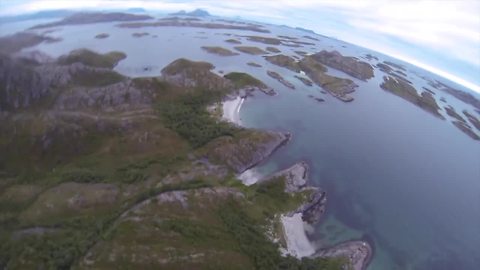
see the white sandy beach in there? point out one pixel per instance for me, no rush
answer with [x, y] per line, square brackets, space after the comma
[250, 176]
[231, 110]
[298, 244]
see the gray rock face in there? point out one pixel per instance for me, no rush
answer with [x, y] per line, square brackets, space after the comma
[23, 84]
[120, 96]
[296, 178]
[246, 154]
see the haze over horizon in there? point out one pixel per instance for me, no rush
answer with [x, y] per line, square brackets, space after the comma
[440, 36]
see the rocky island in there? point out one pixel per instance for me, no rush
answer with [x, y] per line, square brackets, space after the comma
[404, 90]
[219, 51]
[280, 79]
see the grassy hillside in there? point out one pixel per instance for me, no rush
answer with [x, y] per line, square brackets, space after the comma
[131, 184]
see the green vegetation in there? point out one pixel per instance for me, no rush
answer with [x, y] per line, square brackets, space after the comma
[71, 187]
[241, 80]
[91, 78]
[338, 87]
[183, 64]
[284, 61]
[89, 58]
[187, 116]
[350, 65]
[219, 51]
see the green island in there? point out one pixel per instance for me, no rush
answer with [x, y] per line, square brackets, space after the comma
[247, 82]
[337, 87]
[283, 61]
[250, 50]
[314, 69]
[101, 170]
[385, 67]
[350, 65]
[218, 51]
[402, 89]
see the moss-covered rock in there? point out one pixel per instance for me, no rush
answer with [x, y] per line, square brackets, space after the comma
[350, 65]
[93, 59]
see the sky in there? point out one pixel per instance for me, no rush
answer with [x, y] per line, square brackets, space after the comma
[441, 36]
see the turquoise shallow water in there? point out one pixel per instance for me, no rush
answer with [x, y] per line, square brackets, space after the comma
[395, 175]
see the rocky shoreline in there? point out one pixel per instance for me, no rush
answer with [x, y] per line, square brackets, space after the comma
[358, 253]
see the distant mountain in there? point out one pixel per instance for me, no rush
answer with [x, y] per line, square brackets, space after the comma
[38, 15]
[196, 13]
[305, 30]
[136, 10]
[94, 17]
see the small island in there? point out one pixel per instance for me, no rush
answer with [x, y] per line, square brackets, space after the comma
[140, 34]
[102, 36]
[250, 50]
[219, 51]
[280, 79]
[253, 64]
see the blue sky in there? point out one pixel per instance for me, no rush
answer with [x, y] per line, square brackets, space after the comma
[441, 36]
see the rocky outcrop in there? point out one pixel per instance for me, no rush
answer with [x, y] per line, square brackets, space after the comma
[350, 65]
[337, 87]
[115, 97]
[186, 73]
[358, 253]
[296, 180]
[284, 61]
[280, 79]
[246, 149]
